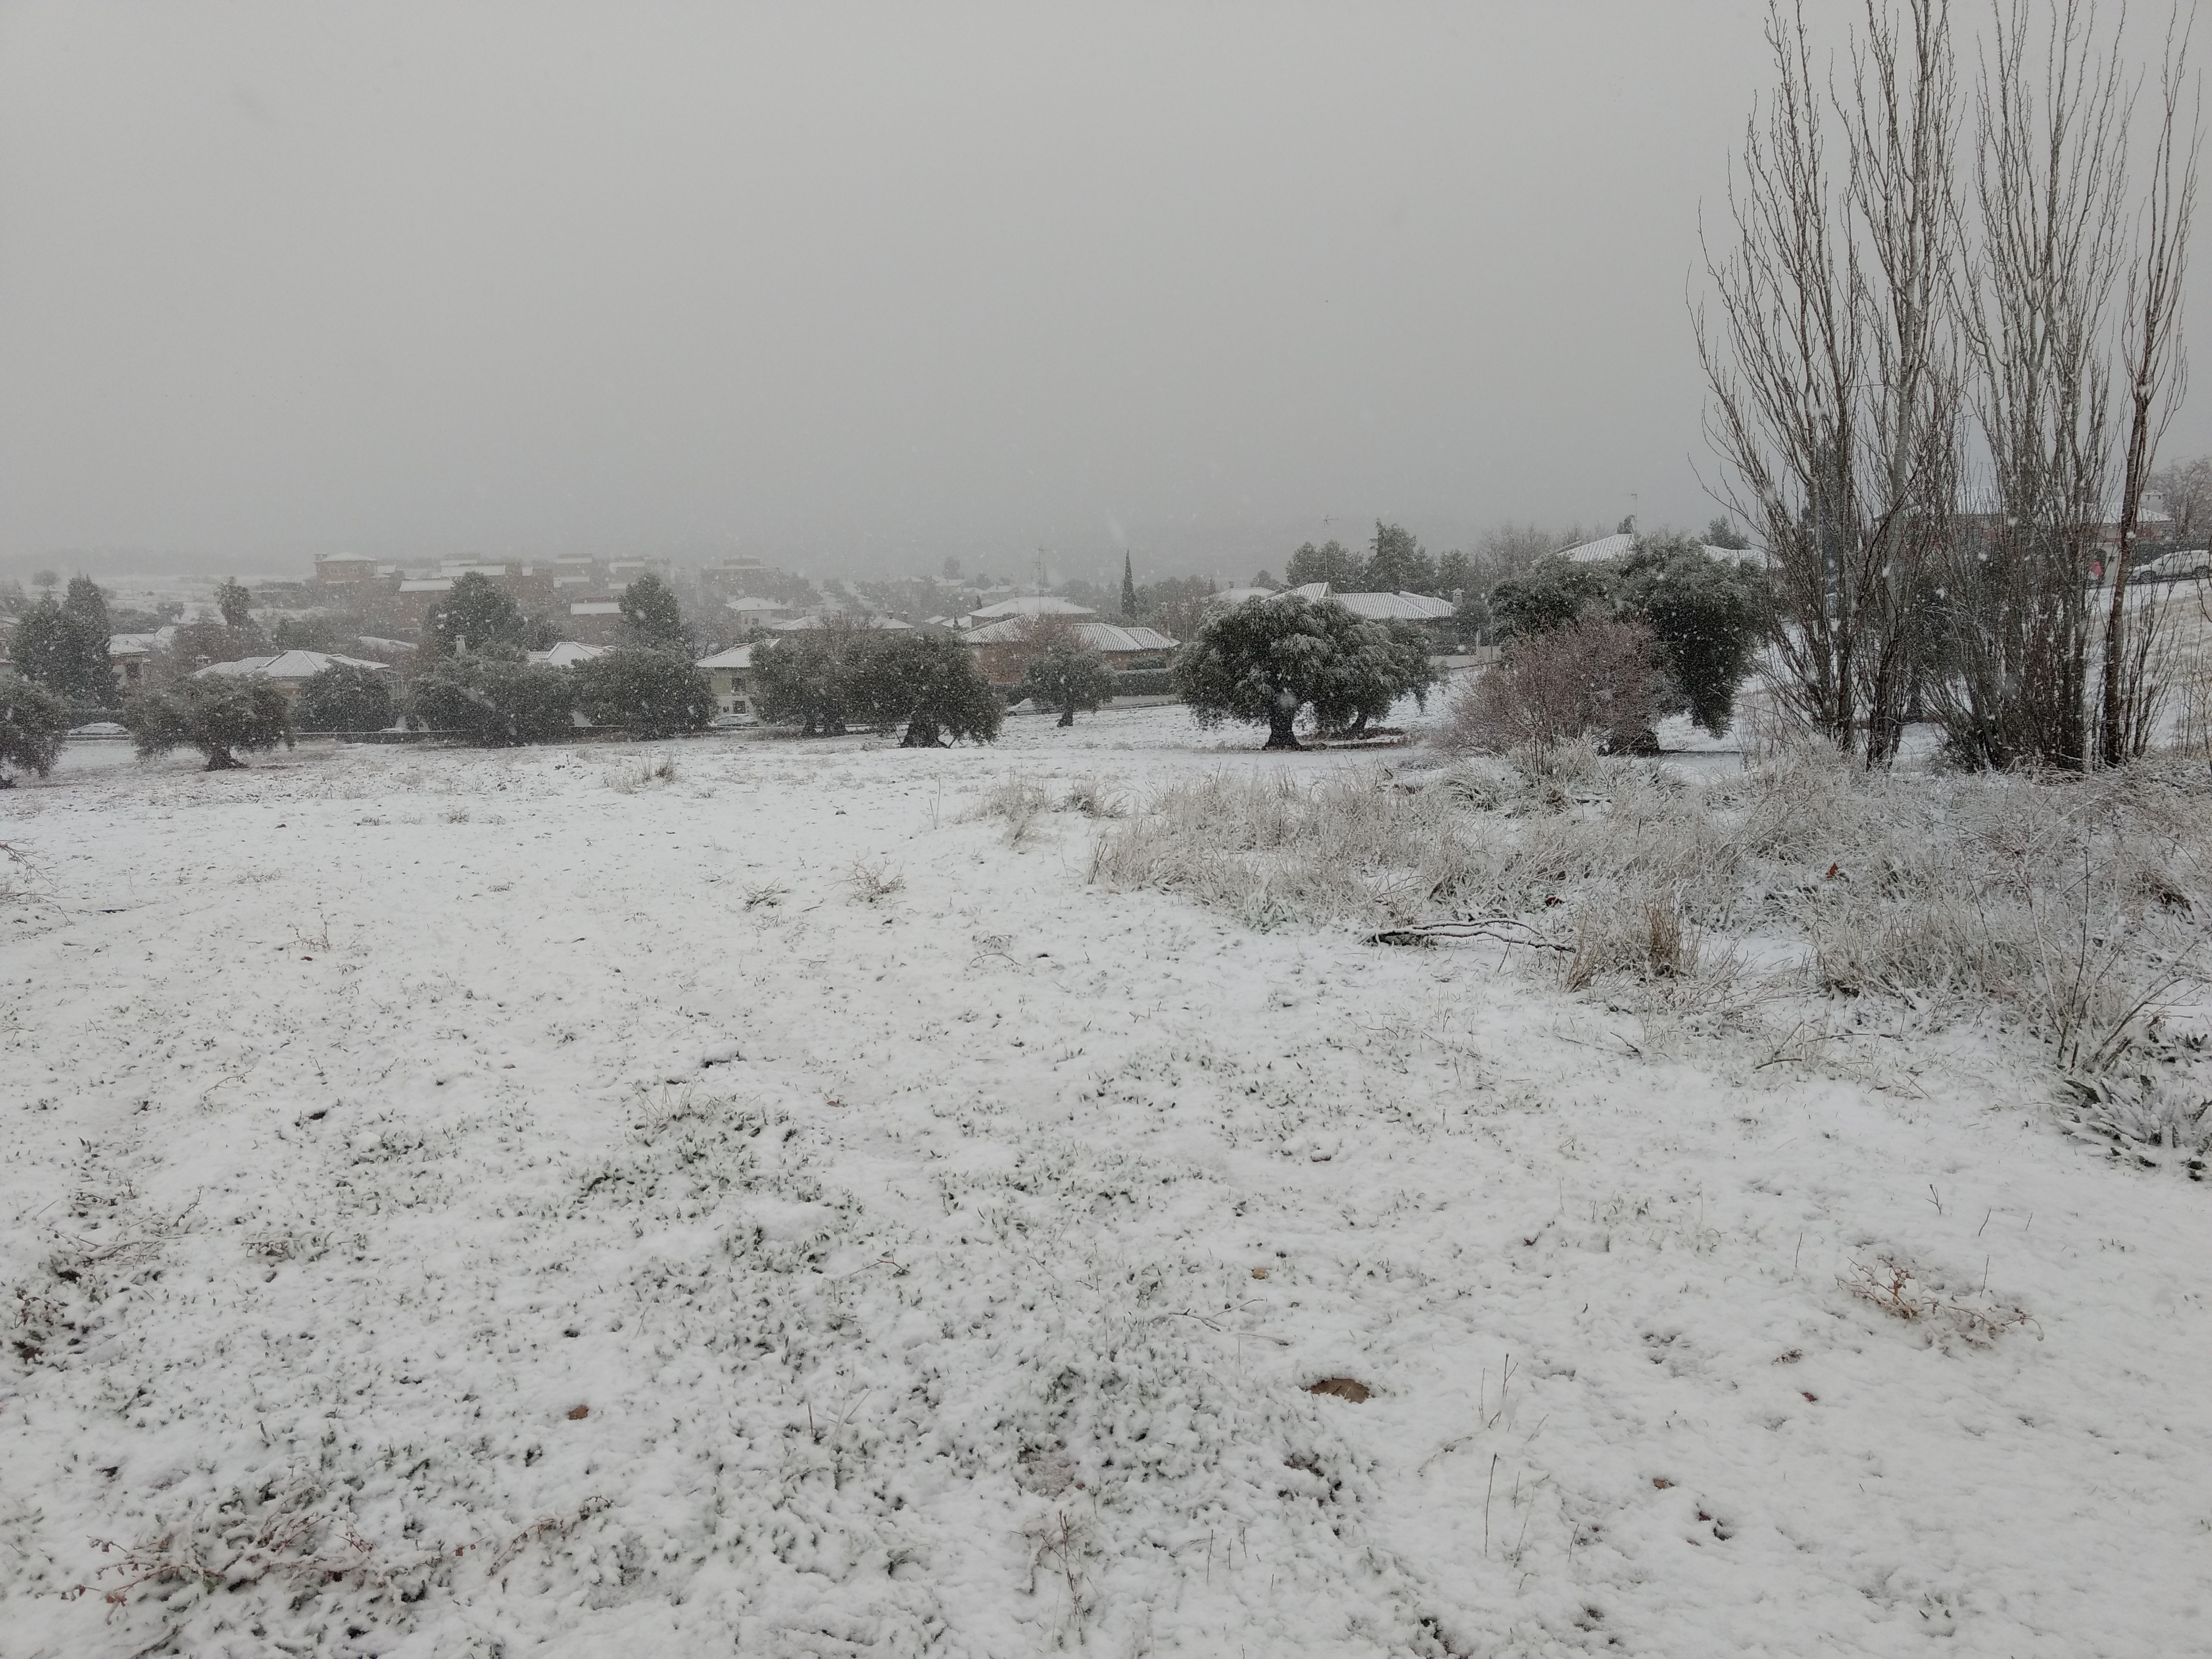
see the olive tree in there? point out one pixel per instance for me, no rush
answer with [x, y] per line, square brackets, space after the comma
[798, 680]
[1067, 674]
[1262, 661]
[346, 697]
[930, 682]
[218, 714]
[32, 721]
[493, 701]
[652, 694]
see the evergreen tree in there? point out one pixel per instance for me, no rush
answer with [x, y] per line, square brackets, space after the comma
[216, 714]
[493, 701]
[1128, 587]
[346, 697]
[1262, 661]
[476, 614]
[1068, 675]
[651, 694]
[65, 650]
[1397, 563]
[85, 602]
[1362, 685]
[651, 617]
[1551, 595]
[1705, 612]
[32, 722]
[798, 680]
[1332, 562]
[930, 681]
[231, 599]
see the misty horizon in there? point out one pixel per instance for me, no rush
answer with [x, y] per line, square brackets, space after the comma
[852, 292]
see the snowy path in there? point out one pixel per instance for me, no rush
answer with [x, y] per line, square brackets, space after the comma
[942, 1272]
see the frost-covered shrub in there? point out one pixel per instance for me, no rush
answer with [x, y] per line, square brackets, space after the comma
[1598, 678]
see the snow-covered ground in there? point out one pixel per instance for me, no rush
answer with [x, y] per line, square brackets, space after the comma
[456, 1204]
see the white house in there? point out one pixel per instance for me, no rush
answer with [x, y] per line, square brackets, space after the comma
[729, 674]
[130, 652]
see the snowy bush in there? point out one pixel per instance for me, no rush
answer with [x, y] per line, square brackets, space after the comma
[1598, 678]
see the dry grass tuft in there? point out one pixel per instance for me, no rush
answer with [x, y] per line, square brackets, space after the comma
[1907, 1293]
[872, 881]
[1020, 801]
[629, 779]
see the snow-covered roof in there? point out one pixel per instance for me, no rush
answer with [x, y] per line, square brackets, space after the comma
[1099, 636]
[376, 644]
[1375, 607]
[596, 608]
[292, 665]
[427, 585]
[1596, 552]
[568, 653]
[1031, 605]
[1619, 547]
[751, 606]
[738, 656]
[139, 645]
[808, 624]
[1395, 607]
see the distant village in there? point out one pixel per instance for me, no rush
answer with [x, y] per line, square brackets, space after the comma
[369, 614]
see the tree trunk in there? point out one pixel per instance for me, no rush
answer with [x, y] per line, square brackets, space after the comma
[920, 734]
[223, 760]
[1067, 713]
[1280, 734]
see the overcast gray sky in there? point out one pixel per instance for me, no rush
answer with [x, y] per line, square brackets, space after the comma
[849, 288]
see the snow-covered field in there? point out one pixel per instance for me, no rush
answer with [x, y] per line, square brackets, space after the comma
[457, 1205]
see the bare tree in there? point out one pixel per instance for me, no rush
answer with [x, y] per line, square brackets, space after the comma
[2156, 372]
[1832, 366]
[2015, 608]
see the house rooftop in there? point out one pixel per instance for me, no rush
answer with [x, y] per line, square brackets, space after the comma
[1031, 605]
[567, 653]
[292, 665]
[1099, 636]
